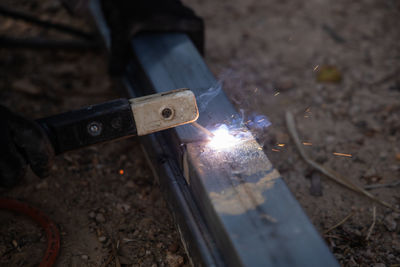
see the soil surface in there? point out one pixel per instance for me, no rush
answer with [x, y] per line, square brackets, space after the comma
[335, 65]
[101, 197]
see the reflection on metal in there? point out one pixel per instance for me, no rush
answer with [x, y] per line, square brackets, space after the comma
[237, 200]
[248, 169]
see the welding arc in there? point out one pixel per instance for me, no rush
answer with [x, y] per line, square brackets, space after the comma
[52, 233]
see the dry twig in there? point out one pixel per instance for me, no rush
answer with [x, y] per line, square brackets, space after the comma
[375, 186]
[373, 223]
[328, 172]
[108, 261]
[340, 223]
[115, 253]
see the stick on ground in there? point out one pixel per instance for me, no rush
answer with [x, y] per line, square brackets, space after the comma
[373, 223]
[375, 186]
[291, 125]
[340, 223]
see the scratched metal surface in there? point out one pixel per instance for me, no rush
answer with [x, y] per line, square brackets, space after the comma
[253, 217]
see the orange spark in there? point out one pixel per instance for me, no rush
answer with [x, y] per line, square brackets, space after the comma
[281, 145]
[121, 171]
[342, 154]
[307, 143]
[275, 150]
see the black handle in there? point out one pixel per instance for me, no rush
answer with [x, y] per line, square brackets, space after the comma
[90, 125]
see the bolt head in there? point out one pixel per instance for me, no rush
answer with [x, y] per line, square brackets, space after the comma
[94, 128]
[166, 113]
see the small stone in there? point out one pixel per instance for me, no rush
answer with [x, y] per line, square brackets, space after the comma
[174, 260]
[130, 184]
[396, 215]
[284, 85]
[329, 74]
[369, 254]
[394, 167]
[124, 260]
[26, 86]
[173, 247]
[100, 218]
[316, 187]
[85, 257]
[370, 172]
[127, 240]
[383, 155]
[136, 233]
[330, 139]
[123, 207]
[42, 185]
[390, 223]
[357, 232]
[102, 239]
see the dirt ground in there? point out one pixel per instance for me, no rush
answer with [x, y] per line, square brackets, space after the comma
[274, 56]
[93, 203]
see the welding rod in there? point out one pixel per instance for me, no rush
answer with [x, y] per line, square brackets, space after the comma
[203, 129]
[120, 118]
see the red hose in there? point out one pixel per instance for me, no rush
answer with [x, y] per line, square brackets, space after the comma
[52, 233]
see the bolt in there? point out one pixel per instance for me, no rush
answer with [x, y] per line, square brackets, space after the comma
[166, 113]
[94, 128]
[116, 123]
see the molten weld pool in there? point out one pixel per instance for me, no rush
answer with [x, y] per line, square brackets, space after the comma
[225, 138]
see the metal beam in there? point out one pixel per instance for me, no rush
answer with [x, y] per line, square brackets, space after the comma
[232, 207]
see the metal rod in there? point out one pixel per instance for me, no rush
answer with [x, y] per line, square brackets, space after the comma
[203, 129]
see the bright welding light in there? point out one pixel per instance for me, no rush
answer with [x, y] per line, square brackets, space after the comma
[223, 139]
